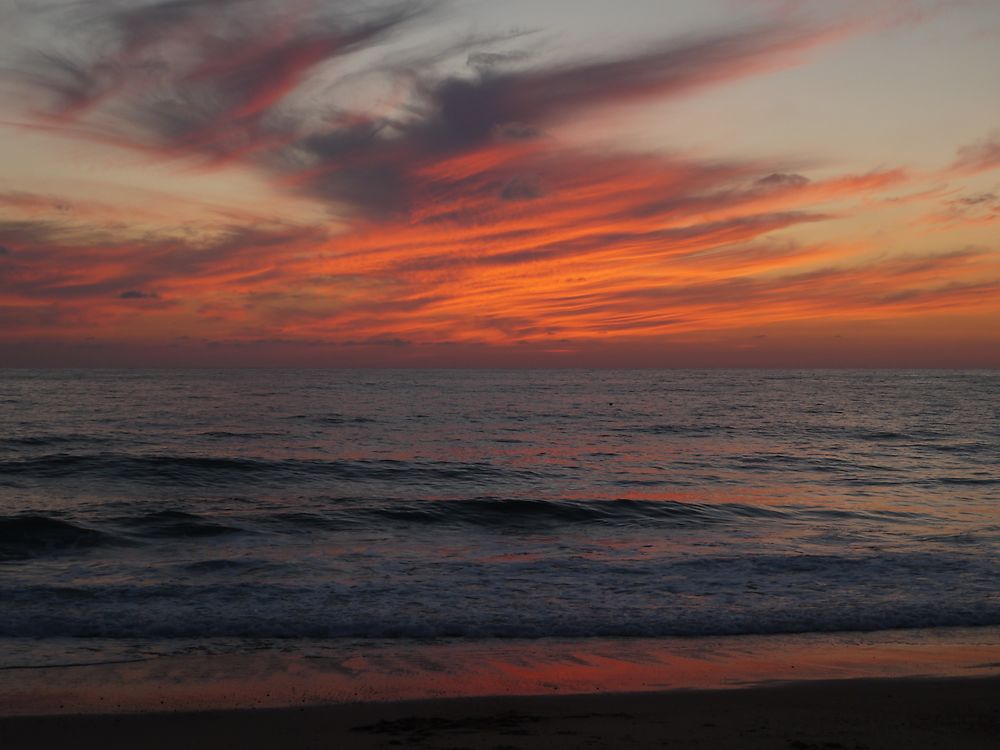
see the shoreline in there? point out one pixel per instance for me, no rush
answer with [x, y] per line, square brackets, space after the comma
[912, 712]
[86, 677]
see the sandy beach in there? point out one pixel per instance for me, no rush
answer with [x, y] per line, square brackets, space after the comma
[855, 714]
[923, 689]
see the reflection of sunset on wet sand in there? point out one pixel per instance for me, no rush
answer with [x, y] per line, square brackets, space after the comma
[386, 671]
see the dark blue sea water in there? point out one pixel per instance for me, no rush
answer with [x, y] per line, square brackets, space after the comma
[295, 504]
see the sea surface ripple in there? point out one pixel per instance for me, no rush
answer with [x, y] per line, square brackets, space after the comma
[249, 504]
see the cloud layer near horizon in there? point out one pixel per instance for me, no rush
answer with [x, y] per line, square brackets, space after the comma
[461, 209]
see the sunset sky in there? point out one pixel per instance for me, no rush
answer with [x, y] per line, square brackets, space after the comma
[485, 183]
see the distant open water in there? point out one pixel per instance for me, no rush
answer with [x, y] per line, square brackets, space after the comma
[417, 504]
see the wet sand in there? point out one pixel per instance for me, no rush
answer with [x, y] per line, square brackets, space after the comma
[904, 689]
[853, 714]
[94, 677]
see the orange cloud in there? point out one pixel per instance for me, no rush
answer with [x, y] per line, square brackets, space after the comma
[981, 156]
[462, 219]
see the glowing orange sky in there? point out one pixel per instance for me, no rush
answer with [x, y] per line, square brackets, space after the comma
[223, 182]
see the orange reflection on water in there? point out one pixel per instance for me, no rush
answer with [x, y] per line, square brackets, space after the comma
[339, 672]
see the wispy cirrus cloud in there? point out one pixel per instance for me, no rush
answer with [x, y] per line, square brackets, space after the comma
[460, 212]
[966, 210]
[981, 156]
[217, 80]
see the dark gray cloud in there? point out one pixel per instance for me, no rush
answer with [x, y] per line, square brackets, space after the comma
[979, 200]
[138, 294]
[390, 341]
[458, 111]
[493, 59]
[521, 189]
[223, 92]
[380, 168]
[981, 156]
[18, 231]
[198, 75]
[974, 208]
[783, 180]
[516, 131]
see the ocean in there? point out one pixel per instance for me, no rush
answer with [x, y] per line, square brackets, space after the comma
[171, 510]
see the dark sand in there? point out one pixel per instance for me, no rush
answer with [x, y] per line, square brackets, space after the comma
[911, 714]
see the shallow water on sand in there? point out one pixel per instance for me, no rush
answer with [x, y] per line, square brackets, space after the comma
[88, 676]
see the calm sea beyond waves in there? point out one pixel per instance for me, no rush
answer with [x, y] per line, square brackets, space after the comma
[174, 507]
